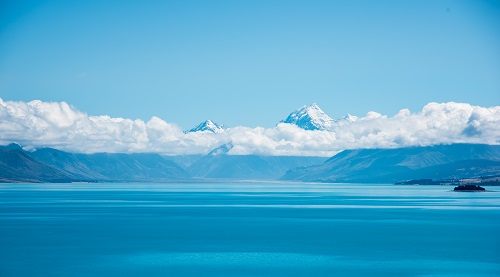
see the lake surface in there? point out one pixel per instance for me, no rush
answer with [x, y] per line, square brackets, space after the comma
[247, 229]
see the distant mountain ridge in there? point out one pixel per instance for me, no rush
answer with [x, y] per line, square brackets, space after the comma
[392, 165]
[248, 167]
[51, 165]
[217, 164]
[452, 161]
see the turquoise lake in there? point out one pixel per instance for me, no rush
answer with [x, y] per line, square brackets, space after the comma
[247, 229]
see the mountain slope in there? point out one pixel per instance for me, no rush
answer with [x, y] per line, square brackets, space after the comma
[17, 166]
[459, 170]
[134, 167]
[51, 165]
[217, 164]
[75, 164]
[390, 165]
[184, 161]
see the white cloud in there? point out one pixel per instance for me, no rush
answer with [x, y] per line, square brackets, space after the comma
[59, 125]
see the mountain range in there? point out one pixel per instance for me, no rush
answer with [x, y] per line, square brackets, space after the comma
[358, 165]
[310, 117]
[51, 165]
[453, 161]
[217, 164]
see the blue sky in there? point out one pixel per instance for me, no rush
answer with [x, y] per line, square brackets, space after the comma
[249, 62]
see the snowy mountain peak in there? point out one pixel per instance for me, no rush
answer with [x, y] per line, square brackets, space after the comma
[314, 106]
[209, 126]
[346, 119]
[310, 118]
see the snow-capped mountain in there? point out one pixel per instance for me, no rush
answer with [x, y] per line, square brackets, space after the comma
[208, 125]
[345, 120]
[310, 118]
[314, 118]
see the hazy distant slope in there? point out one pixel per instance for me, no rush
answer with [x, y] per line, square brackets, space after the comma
[112, 166]
[77, 164]
[51, 165]
[134, 167]
[248, 166]
[390, 165]
[17, 166]
[184, 160]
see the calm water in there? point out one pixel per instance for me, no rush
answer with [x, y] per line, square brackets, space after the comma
[247, 229]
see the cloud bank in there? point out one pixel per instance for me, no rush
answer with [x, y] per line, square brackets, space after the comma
[38, 124]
